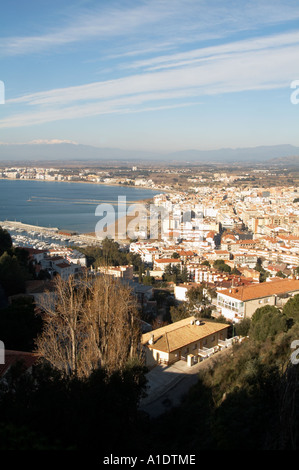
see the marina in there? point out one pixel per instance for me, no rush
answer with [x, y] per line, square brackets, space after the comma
[44, 238]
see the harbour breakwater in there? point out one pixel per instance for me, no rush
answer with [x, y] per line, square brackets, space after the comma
[38, 237]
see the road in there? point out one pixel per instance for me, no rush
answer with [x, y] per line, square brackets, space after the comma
[168, 384]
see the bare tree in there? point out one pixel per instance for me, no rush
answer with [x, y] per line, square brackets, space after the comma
[113, 317]
[89, 323]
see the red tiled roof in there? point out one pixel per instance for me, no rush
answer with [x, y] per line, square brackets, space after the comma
[167, 260]
[63, 265]
[34, 251]
[180, 334]
[263, 289]
[12, 357]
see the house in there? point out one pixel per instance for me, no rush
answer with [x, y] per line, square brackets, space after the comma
[242, 301]
[161, 263]
[124, 272]
[201, 273]
[218, 254]
[185, 339]
[186, 255]
[249, 273]
[59, 265]
[245, 259]
[76, 257]
[65, 270]
[36, 289]
[35, 254]
[148, 254]
[249, 244]
[144, 294]
[180, 290]
[9, 358]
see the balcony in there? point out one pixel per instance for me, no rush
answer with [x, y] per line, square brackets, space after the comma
[228, 342]
[206, 352]
[237, 308]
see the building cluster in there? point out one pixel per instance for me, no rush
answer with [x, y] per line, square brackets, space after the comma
[232, 240]
[79, 175]
[63, 261]
[241, 243]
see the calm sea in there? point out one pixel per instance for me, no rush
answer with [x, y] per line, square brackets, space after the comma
[67, 206]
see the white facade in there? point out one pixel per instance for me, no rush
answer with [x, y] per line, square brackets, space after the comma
[230, 307]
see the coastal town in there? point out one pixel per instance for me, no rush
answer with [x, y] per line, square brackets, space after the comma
[237, 238]
[198, 261]
[154, 175]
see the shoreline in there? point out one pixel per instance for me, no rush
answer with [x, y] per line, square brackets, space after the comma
[92, 182]
[124, 220]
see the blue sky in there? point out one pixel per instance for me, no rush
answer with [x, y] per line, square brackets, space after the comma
[159, 75]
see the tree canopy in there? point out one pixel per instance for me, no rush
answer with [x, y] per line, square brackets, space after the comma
[176, 274]
[110, 254]
[267, 322]
[220, 265]
[291, 308]
[5, 240]
[12, 274]
[19, 325]
[89, 323]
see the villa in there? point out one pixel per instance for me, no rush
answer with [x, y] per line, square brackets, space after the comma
[188, 339]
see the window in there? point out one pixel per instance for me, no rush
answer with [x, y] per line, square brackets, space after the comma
[229, 304]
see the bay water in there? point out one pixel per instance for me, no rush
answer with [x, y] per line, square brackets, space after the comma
[66, 206]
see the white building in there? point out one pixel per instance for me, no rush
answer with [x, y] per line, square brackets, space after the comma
[241, 302]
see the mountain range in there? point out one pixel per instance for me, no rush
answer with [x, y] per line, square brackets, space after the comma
[72, 152]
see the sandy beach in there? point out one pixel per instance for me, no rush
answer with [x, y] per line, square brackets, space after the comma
[125, 221]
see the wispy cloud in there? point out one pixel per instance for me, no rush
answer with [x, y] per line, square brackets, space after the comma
[41, 141]
[156, 24]
[218, 52]
[164, 81]
[197, 68]
[101, 23]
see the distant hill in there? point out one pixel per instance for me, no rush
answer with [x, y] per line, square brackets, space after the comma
[64, 152]
[259, 154]
[71, 152]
